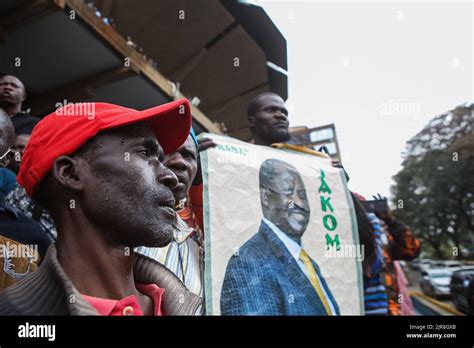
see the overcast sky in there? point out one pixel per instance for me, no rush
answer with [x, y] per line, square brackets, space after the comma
[379, 71]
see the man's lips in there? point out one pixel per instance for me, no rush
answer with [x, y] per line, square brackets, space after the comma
[298, 212]
[170, 202]
[169, 210]
[168, 206]
[167, 201]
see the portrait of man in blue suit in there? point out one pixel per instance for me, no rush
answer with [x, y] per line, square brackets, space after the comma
[272, 274]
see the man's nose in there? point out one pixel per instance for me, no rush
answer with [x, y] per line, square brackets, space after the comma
[280, 115]
[175, 161]
[300, 202]
[168, 178]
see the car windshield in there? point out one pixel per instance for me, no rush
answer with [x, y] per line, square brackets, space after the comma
[467, 271]
[440, 275]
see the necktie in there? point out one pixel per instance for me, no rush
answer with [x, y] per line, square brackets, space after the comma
[313, 278]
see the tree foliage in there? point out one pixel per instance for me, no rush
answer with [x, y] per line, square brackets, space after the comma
[434, 191]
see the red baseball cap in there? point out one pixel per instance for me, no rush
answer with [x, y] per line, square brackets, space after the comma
[68, 128]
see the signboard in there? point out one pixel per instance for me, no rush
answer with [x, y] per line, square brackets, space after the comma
[280, 233]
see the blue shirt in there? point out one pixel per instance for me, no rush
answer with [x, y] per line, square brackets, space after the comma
[7, 181]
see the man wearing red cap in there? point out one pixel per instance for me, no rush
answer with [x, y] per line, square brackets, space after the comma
[103, 180]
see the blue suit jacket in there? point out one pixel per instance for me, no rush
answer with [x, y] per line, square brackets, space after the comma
[265, 279]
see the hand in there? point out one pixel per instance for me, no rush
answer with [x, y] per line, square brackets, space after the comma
[203, 145]
[338, 164]
[386, 216]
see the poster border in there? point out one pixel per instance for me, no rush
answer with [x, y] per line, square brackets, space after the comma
[208, 296]
[355, 237]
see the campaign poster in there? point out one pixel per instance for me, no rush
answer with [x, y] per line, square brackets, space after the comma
[280, 233]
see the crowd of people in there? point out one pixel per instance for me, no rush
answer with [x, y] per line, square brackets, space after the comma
[108, 212]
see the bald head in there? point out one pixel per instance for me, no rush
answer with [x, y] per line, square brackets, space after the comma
[7, 133]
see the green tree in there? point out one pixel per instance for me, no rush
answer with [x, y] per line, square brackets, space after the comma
[434, 191]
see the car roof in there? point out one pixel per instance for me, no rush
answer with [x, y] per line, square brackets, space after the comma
[439, 270]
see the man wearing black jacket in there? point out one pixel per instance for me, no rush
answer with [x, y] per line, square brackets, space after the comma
[12, 96]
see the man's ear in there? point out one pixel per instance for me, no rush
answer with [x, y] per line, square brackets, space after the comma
[67, 171]
[264, 199]
[24, 96]
[251, 120]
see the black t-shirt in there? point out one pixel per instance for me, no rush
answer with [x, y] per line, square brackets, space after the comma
[24, 123]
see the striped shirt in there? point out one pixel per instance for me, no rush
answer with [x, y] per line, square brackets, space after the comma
[183, 257]
[375, 293]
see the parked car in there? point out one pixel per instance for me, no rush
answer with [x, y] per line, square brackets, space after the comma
[453, 265]
[437, 264]
[424, 265]
[462, 290]
[415, 264]
[435, 282]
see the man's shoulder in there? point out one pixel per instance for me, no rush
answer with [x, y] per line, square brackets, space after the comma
[25, 117]
[34, 294]
[254, 251]
[252, 245]
[10, 299]
[6, 307]
[25, 114]
[24, 122]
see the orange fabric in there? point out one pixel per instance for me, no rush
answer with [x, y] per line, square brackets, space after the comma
[189, 217]
[196, 204]
[402, 245]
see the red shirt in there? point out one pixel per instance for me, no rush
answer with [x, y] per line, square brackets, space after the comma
[128, 305]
